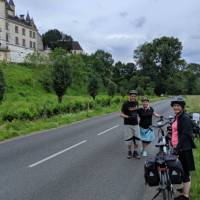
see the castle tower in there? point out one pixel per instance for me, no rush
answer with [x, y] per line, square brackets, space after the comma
[12, 5]
[2, 8]
[2, 22]
[28, 17]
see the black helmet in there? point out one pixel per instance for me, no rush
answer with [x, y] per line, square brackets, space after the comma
[133, 92]
[179, 100]
[144, 98]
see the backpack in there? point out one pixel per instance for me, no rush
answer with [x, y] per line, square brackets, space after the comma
[196, 129]
[195, 125]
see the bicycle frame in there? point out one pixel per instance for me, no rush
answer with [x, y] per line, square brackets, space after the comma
[165, 185]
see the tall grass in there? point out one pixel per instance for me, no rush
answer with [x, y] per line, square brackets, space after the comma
[193, 105]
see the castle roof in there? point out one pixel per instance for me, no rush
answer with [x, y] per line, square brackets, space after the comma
[11, 3]
[76, 46]
[8, 6]
[22, 21]
[28, 17]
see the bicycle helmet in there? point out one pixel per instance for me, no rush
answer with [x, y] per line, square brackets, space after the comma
[179, 100]
[133, 92]
[144, 98]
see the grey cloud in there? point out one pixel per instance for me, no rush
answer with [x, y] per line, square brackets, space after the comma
[195, 37]
[139, 22]
[123, 14]
[75, 21]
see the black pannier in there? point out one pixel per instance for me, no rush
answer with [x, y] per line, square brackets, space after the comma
[175, 171]
[150, 173]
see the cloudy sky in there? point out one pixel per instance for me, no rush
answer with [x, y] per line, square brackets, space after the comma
[119, 26]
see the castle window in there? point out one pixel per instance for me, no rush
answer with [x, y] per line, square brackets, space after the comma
[31, 34]
[24, 42]
[16, 29]
[6, 26]
[7, 37]
[16, 40]
[0, 29]
[31, 44]
[34, 46]
[23, 31]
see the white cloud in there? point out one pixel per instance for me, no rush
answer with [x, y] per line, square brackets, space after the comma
[120, 26]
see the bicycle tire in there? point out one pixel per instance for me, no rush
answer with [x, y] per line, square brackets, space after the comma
[169, 189]
[169, 195]
[163, 183]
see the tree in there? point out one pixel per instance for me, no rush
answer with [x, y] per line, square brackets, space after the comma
[159, 60]
[61, 75]
[51, 36]
[93, 87]
[111, 89]
[2, 85]
[102, 62]
[122, 71]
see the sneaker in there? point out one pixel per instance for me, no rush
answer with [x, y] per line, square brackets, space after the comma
[129, 156]
[181, 197]
[144, 153]
[136, 155]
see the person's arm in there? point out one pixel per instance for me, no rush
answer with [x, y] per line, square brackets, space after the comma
[156, 114]
[186, 132]
[123, 115]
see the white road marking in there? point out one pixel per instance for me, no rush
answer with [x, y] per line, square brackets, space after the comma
[107, 130]
[56, 154]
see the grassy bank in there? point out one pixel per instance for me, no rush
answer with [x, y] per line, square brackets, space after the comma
[23, 127]
[193, 103]
[28, 106]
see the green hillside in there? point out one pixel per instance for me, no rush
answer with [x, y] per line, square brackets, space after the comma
[27, 103]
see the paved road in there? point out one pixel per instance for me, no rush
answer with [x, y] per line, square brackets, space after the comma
[83, 161]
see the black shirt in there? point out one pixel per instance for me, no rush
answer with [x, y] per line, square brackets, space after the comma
[145, 117]
[130, 108]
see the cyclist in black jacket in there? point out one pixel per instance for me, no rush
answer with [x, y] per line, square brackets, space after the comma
[183, 143]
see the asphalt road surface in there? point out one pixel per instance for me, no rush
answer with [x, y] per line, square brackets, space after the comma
[83, 161]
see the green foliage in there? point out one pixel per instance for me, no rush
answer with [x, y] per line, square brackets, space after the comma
[159, 60]
[102, 62]
[51, 36]
[2, 85]
[45, 108]
[93, 87]
[111, 89]
[36, 59]
[61, 75]
[140, 91]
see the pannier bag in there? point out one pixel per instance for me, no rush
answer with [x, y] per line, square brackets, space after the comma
[175, 171]
[150, 173]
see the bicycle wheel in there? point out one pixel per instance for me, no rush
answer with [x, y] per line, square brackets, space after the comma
[170, 190]
[163, 184]
[169, 195]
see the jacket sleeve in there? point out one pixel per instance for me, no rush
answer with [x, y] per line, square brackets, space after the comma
[186, 132]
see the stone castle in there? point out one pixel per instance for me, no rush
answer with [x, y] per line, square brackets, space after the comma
[18, 34]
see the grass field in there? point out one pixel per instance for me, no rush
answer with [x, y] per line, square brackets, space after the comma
[193, 105]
